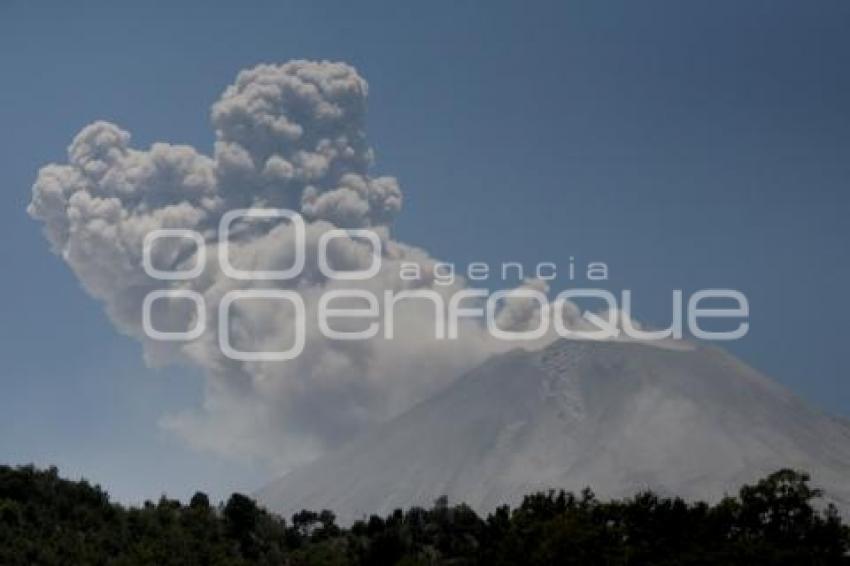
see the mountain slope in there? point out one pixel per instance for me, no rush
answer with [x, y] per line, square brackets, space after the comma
[617, 417]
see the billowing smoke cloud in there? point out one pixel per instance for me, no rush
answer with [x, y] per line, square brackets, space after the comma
[287, 136]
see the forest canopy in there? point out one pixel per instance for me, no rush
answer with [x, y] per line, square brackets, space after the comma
[45, 519]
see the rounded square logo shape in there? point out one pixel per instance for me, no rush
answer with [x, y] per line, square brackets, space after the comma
[261, 356]
[358, 275]
[261, 275]
[183, 336]
[147, 260]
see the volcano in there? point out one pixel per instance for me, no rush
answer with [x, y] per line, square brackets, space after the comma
[618, 417]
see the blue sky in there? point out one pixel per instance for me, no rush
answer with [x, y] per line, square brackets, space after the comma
[688, 145]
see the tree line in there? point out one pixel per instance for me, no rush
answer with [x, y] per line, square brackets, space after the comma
[780, 520]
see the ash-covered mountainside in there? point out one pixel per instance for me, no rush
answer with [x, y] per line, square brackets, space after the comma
[617, 417]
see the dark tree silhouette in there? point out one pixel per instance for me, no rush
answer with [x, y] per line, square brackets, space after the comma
[46, 520]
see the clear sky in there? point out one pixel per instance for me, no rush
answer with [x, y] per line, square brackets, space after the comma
[686, 144]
